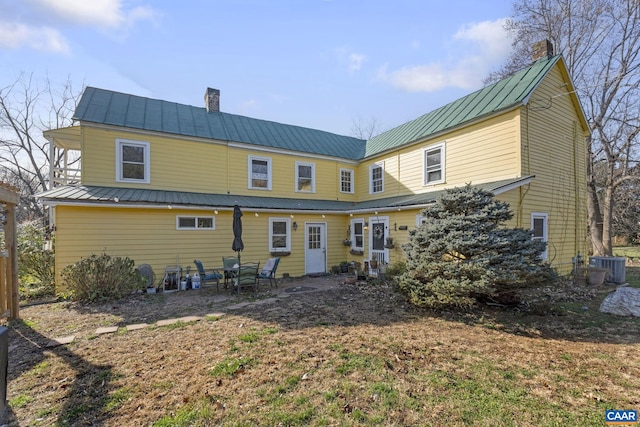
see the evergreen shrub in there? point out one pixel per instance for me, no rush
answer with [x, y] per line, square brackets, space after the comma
[463, 253]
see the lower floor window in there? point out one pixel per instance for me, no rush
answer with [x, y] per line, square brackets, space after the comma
[195, 223]
[279, 234]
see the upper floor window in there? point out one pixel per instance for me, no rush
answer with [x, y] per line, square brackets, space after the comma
[357, 234]
[433, 159]
[195, 223]
[346, 180]
[279, 234]
[376, 180]
[132, 161]
[305, 177]
[259, 173]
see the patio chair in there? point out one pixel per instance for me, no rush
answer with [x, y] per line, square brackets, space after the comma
[207, 275]
[247, 276]
[229, 265]
[268, 272]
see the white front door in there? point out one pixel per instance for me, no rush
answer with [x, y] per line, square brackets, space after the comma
[378, 233]
[315, 254]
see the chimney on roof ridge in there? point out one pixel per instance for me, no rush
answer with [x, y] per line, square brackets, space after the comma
[212, 100]
[542, 50]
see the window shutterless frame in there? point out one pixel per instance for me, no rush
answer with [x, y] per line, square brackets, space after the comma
[259, 173]
[133, 163]
[433, 164]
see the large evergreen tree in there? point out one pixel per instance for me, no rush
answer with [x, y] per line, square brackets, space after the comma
[463, 252]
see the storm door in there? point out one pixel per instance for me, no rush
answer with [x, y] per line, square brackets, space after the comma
[378, 232]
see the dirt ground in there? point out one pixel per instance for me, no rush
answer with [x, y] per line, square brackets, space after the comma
[137, 377]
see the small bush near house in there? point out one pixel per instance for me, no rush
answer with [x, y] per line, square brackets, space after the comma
[463, 253]
[35, 264]
[101, 277]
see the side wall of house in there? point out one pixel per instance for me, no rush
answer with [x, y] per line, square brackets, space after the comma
[554, 150]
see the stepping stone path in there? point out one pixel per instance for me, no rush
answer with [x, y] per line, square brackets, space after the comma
[55, 342]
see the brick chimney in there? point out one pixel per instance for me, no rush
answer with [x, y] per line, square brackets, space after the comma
[542, 50]
[212, 100]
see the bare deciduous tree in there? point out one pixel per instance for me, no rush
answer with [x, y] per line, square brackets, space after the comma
[27, 108]
[600, 42]
[365, 129]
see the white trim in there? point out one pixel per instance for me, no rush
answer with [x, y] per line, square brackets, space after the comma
[425, 174]
[545, 231]
[313, 177]
[351, 180]
[288, 236]
[352, 236]
[371, 167]
[196, 218]
[146, 147]
[419, 219]
[250, 172]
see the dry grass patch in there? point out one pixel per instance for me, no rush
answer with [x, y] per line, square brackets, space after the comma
[351, 355]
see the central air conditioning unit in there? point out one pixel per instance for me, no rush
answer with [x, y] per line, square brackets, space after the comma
[615, 265]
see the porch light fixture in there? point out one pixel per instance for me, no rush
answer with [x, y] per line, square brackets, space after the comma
[295, 225]
[215, 211]
[256, 214]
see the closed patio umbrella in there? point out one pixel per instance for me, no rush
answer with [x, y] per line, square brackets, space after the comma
[237, 245]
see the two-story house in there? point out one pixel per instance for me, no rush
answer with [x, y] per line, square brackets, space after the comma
[158, 180]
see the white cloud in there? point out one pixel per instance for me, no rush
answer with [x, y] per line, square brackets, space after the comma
[23, 25]
[476, 49]
[104, 13]
[355, 61]
[46, 39]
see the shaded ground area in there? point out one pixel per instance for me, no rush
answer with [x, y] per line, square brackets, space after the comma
[321, 352]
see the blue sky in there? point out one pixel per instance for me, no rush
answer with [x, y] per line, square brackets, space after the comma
[316, 63]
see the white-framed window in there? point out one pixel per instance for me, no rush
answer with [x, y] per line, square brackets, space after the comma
[195, 222]
[433, 164]
[305, 177]
[540, 228]
[132, 161]
[420, 219]
[346, 181]
[357, 234]
[279, 234]
[376, 178]
[259, 173]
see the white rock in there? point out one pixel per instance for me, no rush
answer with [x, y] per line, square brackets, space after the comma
[624, 301]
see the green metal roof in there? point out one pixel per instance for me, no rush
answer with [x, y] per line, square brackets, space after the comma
[119, 109]
[73, 194]
[491, 99]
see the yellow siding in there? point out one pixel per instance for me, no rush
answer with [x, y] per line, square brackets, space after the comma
[554, 150]
[487, 151]
[149, 236]
[198, 166]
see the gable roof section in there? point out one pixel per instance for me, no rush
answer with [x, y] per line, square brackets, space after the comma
[500, 96]
[119, 109]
